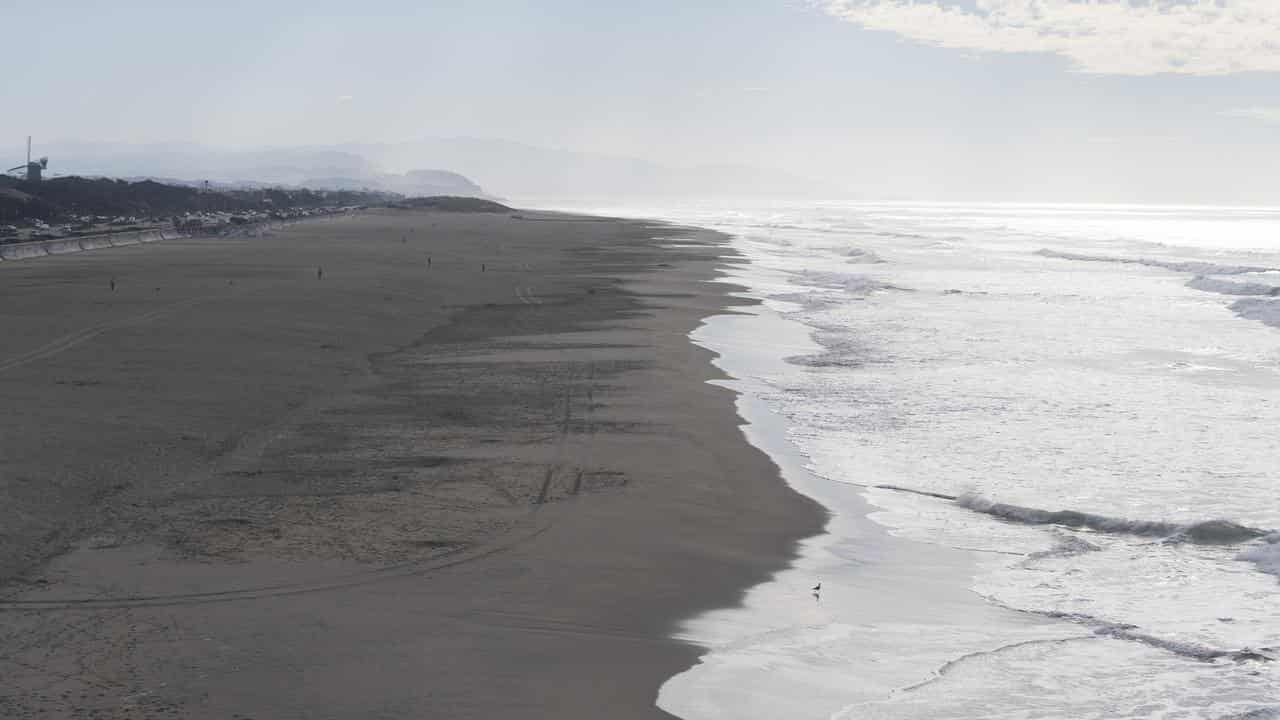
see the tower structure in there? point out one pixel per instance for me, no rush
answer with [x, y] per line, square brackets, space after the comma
[34, 169]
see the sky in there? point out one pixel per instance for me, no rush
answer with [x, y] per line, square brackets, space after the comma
[1175, 100]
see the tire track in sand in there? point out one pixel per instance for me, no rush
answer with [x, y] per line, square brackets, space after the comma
[71, 340]
[448, 559]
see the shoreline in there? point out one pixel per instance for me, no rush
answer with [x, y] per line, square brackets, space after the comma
[902, 613]
[795, 649]
[557, 402]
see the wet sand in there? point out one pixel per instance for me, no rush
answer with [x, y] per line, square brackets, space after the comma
[312, 475]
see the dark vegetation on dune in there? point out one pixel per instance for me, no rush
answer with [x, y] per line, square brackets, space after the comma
[66, 197]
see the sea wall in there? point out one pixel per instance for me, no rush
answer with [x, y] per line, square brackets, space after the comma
[63, 246]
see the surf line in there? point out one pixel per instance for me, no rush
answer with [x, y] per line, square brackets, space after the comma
[1206, 532]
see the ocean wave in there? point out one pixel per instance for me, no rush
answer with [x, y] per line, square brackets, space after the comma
[851, 283]
[1265, 557]
[1267, 713]
[901, 235]
[1195, 267]
[1208, 532]
[1227, 287]
[840, 349]
[860, 256]
[1266, 312]
[1182, 648]
[951, 665]
[1065, 546]
[780, 242]
[815, 227]
[808, 299]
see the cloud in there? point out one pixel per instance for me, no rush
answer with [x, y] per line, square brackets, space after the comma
[1270, 115]
[345, 98]
[1112, 37]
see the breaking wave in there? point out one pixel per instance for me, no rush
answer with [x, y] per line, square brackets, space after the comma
[1268, 713]
[839, 349]
[1258, 307]
[1065, 545]
[809, 300]
[1266, 557]
[1195, 267]
[851, 283]
[1266, 312]
[1183, 648]
[1227, 287]
[1208, 532]
[860, 256]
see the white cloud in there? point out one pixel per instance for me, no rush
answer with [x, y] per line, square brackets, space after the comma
[1114, 37]
[345, 98]
[1269, 115]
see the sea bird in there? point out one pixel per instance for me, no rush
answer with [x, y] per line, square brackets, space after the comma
[817, 588]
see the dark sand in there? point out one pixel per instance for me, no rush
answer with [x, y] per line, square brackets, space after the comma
[240, 487]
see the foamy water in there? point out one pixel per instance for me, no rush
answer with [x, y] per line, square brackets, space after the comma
[1049, 436]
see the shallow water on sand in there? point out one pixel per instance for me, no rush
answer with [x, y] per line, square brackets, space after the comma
[1048, 438]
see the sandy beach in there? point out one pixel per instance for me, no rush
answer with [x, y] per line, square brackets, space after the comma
[391, 465]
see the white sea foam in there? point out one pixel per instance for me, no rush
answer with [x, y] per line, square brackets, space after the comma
[1198, 267]
[1051, 463]
[1265, 555]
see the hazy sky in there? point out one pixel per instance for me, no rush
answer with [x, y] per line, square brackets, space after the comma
[914, 97]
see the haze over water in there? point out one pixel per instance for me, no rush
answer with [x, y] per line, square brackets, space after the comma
[962, 373]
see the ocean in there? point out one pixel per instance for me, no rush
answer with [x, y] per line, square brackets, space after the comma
[1049, 439]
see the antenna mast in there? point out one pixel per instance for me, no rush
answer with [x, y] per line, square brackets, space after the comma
[28, 149]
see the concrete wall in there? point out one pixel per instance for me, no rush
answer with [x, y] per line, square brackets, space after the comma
[95, 242]
[123, 239]
[62, 246]
[22, 251]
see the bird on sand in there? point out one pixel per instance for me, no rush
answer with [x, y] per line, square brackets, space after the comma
[817, 588]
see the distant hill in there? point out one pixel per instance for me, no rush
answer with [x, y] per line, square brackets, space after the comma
[197, 163]
[314, 168]
[476, 167]
[452, 204]
[414, 182]
[512, 169]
